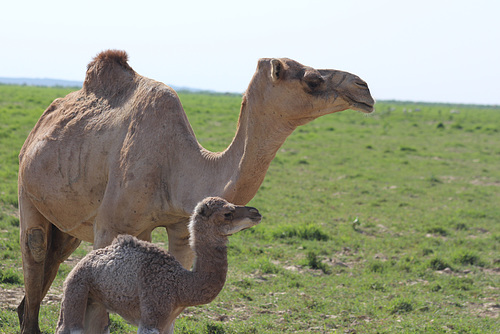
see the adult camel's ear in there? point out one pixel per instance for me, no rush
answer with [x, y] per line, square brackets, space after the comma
[276, 69]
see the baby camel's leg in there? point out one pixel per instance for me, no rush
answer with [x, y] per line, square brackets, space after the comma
[147, 330]
[74, 305]
[151, 318]
[169, 329]
[157, 317]
[96, 318]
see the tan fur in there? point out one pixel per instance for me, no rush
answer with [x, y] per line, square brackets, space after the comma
[146, 285]
[119, 156]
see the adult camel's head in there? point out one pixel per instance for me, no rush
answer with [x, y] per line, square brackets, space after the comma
[299, 94]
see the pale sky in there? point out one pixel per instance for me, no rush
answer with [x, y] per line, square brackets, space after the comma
[427, 50]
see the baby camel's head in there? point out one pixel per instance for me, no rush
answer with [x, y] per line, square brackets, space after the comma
[216, 217]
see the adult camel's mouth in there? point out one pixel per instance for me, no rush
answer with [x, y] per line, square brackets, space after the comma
[363, 107]
[364, 103]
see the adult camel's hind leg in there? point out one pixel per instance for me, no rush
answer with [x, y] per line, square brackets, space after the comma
[43, 248]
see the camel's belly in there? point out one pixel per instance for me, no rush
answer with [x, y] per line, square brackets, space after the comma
[70, 216]
[84, 231]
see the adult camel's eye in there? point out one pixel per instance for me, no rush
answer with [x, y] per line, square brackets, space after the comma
[314, 82]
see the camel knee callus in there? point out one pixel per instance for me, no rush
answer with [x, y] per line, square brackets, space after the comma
[37, 244]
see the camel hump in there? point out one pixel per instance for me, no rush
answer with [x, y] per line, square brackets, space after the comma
[108, 70]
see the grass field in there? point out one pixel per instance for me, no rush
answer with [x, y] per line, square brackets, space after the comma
[388, 223]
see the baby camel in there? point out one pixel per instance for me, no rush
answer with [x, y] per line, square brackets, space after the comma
[145, 284]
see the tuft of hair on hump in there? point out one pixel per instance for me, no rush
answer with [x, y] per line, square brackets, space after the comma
[109, 74]
[111, 56]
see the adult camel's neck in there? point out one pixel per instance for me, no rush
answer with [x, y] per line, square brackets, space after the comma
[259, 135]
[234, 174]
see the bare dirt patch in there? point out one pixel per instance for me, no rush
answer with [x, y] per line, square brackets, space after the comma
[489, 308]
[10, 298]
[484, 181]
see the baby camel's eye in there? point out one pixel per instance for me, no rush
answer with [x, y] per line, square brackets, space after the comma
[228, 216]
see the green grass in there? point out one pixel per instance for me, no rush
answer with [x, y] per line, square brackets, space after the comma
[372, 224]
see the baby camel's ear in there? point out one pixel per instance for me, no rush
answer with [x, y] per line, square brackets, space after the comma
[203, 209]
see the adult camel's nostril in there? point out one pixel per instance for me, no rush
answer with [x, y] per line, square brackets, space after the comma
[254, 214]
[361, 84]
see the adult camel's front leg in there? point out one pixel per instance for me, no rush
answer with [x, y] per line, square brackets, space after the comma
[44, 248]
[178, 243]
[109, 223]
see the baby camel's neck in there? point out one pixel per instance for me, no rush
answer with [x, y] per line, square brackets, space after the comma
[208, 275]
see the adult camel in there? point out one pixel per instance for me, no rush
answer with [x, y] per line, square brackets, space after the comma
[119, 156]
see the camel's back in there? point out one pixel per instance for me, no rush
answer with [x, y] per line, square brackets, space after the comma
[113, 98]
